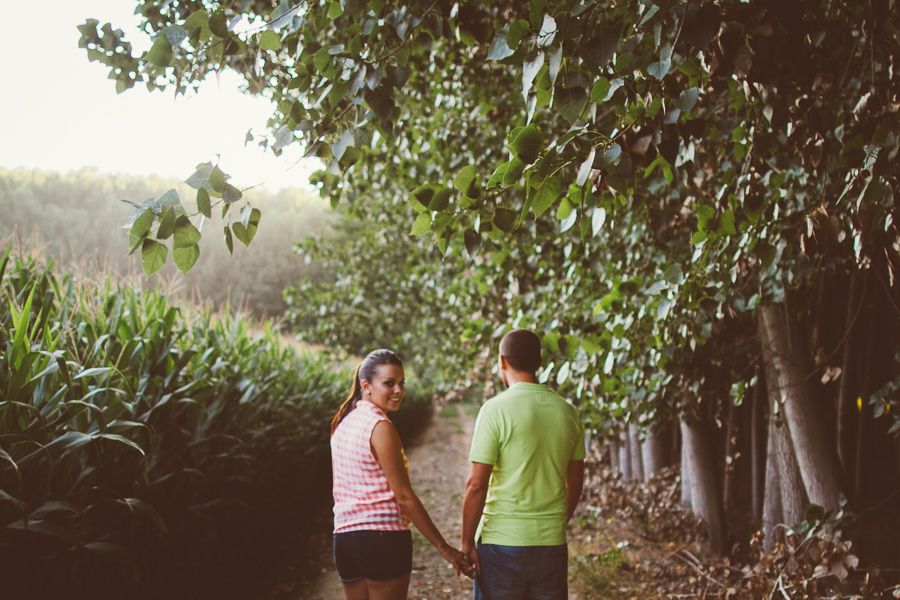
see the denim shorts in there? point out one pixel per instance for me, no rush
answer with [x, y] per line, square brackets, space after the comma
[375, 555]
[522, 572]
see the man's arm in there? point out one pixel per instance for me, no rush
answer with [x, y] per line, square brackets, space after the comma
[473, 505]
[574, 485]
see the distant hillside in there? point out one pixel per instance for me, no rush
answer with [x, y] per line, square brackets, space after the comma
[77, 218]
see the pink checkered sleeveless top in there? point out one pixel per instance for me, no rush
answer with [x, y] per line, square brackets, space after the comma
[362, 497]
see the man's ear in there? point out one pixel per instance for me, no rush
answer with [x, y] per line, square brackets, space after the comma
[504, 363]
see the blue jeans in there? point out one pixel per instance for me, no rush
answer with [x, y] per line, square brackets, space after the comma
[522, 572]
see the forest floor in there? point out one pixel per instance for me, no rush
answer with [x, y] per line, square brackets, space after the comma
[610, 553]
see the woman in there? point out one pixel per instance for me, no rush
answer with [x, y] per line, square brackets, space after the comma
[373, 499]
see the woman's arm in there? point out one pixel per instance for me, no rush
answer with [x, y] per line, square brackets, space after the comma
[387, 448]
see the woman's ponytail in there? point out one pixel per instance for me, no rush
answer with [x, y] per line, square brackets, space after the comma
[349, 404]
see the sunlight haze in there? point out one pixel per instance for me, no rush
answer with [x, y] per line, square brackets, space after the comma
[60, 112]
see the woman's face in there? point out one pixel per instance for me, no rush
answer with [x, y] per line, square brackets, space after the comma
[385, 390]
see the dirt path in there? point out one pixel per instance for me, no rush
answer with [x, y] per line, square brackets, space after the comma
[439, 465]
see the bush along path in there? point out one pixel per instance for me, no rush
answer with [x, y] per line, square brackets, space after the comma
[148, 451]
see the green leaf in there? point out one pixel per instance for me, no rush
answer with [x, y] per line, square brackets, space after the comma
[422, 224]
[321, 59]
[218, 24]
[609, 156]
[726, 223]
[186, 256]
[199, 19]
[245, 233]
[269, 40]
[688, 99]
[141, 226]
[584, 170]
[229, 241]
[598, 218]
[209, 177]
[93, 372]
[648, 15]
[505, 219]
[659, 69]
[153, 256]
[498, 175]
[160, 53]
[526, 143]
[185, 233]
[166, 224]
[473, 241]
[600, 90]
[440, 200]
[548, 30]
[175, 34]
[420, 197]
[203, 204]
[517, 29]
[514, 170]
[766, 253]
[465, 179]
[549, 190]
[570, 102]
[705, 214]
[231, 194]
[530, 69]
[500, 48]
[344, 141]
[565, 209]
[335, 10]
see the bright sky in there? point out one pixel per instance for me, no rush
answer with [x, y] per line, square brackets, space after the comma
[60, 112]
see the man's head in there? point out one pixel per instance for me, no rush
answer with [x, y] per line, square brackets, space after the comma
[520, 352]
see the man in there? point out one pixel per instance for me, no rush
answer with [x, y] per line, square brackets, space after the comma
[527, 474]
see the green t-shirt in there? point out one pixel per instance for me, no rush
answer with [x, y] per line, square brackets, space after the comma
[529, 434]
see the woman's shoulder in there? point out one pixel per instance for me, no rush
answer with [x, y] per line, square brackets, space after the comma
[365, 416]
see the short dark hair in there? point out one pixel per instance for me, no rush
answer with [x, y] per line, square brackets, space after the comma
[522, 349]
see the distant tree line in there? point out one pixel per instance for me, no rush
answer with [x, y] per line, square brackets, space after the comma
[76, 219]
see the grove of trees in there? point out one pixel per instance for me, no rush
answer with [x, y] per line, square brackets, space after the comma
[693, 203]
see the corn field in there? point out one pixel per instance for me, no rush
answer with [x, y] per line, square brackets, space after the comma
[148, 452]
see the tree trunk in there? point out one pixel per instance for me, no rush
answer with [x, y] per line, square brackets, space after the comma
[758, 448]
[634, 451]
[624, 458]
[686, 499]
[846, 409]
[705, 489]
[864, 425]
[653, 452]
[790, 484]
[816, 455]
[732, 457]
[614, 454]
[772, 513]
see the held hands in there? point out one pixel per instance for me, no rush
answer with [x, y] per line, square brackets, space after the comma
[461, 562]
[472, 556]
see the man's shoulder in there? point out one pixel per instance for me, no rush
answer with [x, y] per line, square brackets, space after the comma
[509, 398]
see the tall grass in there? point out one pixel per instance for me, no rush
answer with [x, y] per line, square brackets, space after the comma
[147, 452]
